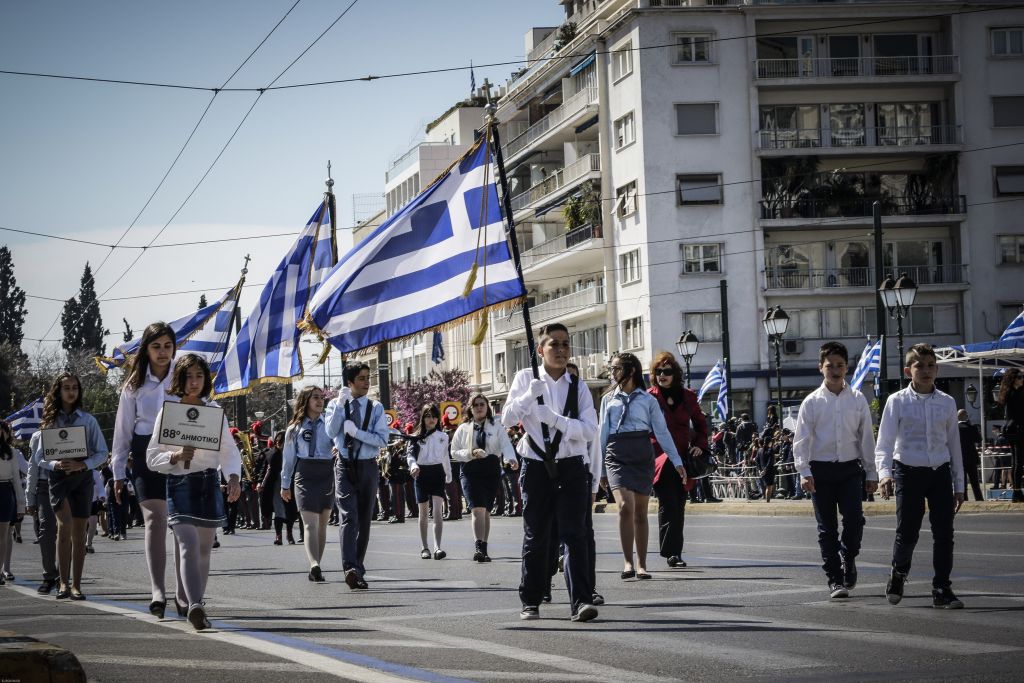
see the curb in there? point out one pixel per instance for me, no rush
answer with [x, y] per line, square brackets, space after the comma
[803, 508]
[28, 660]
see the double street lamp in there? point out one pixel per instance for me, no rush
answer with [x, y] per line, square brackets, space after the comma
[776, 321]
[687, 347]
[898, 296]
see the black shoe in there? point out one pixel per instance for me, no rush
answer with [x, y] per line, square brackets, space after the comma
[46, 586]
[628, 574]
[943, 598]
[76, 594]
[89, 550]
[584, 613]
[197, 617]
[157, 607]
[478, 552]
[316, 575]
[837, 590]
[352, 580]
[849, 572]
[597, 599]
[676, 561]
[216, 543]
[440, 554]
[182, 611]
[529, 613]
[63, 593]
[547, 594]
[362, 585]
[8, 576]
[894, 587]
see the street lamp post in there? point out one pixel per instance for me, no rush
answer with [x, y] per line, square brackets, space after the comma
[898, 296]
[687, 347]
[775, 323]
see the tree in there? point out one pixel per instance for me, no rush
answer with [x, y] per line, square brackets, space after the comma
[409, 399]
[202, 302]
[128, 334]
[12, 302]
[81, 319]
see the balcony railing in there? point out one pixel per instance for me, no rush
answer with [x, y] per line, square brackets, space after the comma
[589, 163]
[555, 308]
[810, 278]
[862, 206]
[571, 107]
[406, 160]
[846, 67]
[559, 244]
[881, 136]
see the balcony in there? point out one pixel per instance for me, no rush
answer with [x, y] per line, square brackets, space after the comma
[581, 102]
[563, 248]
[560, 308]
[559, 180]
[860, 207]
[829, 278]
[856, 67]
[844, 139]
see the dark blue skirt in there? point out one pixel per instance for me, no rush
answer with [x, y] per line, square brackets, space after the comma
[76, 488]
[429, 482]
[195, 499]
[480, 480]
[148, 484]
[8, 503]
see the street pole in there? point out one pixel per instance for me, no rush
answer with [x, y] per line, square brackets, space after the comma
[241, 417]
[778, 378]
[883, 371]
[384, 374]
[686, 359]
[723, 287]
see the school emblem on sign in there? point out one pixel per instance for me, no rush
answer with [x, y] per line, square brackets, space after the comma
[192, 414]
[63, 434]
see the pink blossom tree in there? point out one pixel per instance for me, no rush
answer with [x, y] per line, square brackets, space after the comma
[409, 398]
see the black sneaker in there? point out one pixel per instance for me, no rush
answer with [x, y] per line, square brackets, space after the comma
[944, 598]
[315, 574]
[837, 590]
[478, 552]
[584, 613]
[529, 613]
[849, 572]
[894, 587]
[597, 599]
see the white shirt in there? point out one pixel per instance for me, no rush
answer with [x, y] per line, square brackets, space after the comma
[136, 414]
[433, 451]
[520, 405]
[227, 458]
[495, 442]
[834, 428]
[920, 430]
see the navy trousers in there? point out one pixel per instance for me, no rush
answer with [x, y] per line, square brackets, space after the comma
[356, 493]
[837, 491]
[915, 485]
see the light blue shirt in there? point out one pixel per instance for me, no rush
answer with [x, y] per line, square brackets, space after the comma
[370, 441]
[308, 440]
[38, 468]
[636, 412]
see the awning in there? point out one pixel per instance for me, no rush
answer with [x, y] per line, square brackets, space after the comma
[587, 61]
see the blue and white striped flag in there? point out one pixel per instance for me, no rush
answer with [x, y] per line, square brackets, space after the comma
[715, 379]
[870, 361]
[25, 422]
[722, 404]
[412, 272]
[204, 332]
[1015, 330]
[267, 346]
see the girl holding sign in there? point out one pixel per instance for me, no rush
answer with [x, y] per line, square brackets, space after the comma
[12, 504]
[195, 507]
[70, 477]
[431, 470]
[144, 391]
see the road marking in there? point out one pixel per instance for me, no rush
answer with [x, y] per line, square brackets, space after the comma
[198, 664]
[506, 676]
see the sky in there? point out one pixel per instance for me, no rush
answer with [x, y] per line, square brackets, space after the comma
[80, 159]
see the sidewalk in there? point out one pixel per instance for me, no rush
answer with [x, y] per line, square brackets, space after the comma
[802, 508]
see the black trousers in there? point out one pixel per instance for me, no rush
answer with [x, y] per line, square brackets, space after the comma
[971, 479]
[671, 511]
[915, 485]
[837, 491]
[565, 498]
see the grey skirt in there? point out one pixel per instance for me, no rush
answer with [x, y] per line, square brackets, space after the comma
[629, 462]
[314, 484]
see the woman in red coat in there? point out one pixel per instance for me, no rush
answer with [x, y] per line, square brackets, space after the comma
[690, 432]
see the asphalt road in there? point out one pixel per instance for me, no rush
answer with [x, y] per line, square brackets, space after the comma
[752, 605]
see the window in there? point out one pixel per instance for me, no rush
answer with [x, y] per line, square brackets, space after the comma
[707, 326]
[804, 324]
[625, 131]
[698, 189]
[622, 61]
[1011, 249]
[693, 48]
[626, 203]
[629, 264]
[633, 333]
[702, 258]
[1008, 181]
[913, 123]
[1008, 42]
[789, 125]
[847, 124]
[1008, 111]
[697, 119]
[1007, 314]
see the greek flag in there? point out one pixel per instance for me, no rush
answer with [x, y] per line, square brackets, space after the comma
[715, 379]
[870, 361]
[722, 404]
[442, 257]
[1015, 330]
[204, 332]
[25, 422]
[266, 348]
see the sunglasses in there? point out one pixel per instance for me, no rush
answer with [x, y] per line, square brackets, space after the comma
[664, 372]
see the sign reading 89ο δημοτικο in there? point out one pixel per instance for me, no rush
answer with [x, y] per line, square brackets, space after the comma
[62, 443]
[188, 425]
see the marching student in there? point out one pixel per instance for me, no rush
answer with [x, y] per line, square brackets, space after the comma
[481, 444]
[918, 454]
[12, 504]
[195, 506]
[359, 429]
[37, 504]
[629, 417]
[71, 480]
[431, 471]
[284, 513]
[554, 475]
[832, 448]
[98, 501]
[307, 469]
[142, 396]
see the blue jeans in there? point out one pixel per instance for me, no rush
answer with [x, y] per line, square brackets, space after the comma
[837, 489]
[914, 485]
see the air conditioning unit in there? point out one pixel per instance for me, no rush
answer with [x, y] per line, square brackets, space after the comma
[792, 346]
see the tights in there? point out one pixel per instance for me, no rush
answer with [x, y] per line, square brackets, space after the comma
[481, 524]
[194, 545]
[5, 546]
[154, 515]
[315, 524]
[438, 522]
[70, 545]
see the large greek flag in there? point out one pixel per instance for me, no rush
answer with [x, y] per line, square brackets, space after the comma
[413, 272]
[716, 380]
[25, 422]
[870, 361]
[204, 333]
[1015, 330]
[267, 346]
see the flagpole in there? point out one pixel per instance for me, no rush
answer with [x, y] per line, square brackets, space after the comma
[240, 404]
[332, 206]
[531, 345]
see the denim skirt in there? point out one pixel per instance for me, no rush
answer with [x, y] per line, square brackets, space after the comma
[195, 498]
[629, 461]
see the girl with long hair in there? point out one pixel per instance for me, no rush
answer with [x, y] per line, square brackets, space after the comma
[629, 415]
[480, 444]
[12, 505]
[1011, 397]
[284, 513]
[307, 467]
[195, 506]
[71, 480]
[431, 470]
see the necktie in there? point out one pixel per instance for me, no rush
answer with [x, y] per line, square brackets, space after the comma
[357, 416]
[481, 438]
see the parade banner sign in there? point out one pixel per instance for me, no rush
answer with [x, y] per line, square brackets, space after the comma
[189, 425]
[63, 443]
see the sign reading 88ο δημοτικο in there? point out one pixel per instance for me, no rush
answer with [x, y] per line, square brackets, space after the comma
[188, 425]
[62, 443]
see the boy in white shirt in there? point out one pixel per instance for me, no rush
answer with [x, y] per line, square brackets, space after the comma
[918, 454]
